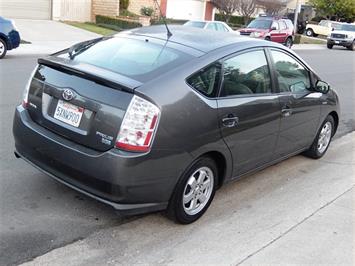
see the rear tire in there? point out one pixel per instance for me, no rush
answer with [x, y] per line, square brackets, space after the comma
[3, 48]
[194, 192]
[321, 142]
[309, 33]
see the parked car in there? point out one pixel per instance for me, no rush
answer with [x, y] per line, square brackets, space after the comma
[345, 37]
[209, 25]
[9, 36]
[271, 29]
[145, 123]
[323, 28]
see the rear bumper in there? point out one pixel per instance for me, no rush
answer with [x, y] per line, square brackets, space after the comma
[340, 42]
[128, 183]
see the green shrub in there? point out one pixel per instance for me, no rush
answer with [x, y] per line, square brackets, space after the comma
[118, 24]
[124, 4]
[168, 21]
[233, 19]
[147, 11]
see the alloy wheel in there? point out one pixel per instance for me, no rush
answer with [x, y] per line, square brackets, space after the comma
[2, 49]
[198, 190]
[324, 137]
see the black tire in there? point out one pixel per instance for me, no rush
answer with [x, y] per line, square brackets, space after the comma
[289, 42]
[352, 46]
[309, 33]
[3, 48]
[267, 39]
[330, 46]
[176, 209]
[313, 151]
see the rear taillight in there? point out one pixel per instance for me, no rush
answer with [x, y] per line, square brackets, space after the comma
[138, 126]
[27, 89]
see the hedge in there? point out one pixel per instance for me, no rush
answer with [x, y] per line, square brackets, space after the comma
[168, 21]
[116, 23]
[233, 19]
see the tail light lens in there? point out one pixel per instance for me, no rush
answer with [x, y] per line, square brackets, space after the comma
[27, 89]
[138, 126]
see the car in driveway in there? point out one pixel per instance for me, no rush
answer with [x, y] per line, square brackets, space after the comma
[144, 121]
[324, 27]
[209, 25]
[344, 36]
[273, 29]
[9, 36]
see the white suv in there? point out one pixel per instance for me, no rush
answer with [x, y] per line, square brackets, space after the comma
[345, 37]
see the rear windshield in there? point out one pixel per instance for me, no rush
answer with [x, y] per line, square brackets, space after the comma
[138, 59]
[195, 24]
[260, 24]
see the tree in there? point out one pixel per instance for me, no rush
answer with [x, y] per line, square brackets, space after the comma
[226, 7]
[272, 7]
[341, 9]
[247, 8]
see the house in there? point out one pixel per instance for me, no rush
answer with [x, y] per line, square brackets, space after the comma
[85, 10]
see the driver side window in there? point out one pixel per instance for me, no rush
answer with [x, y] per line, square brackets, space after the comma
[291, 75]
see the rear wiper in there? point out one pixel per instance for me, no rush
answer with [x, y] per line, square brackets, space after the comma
[78, 48]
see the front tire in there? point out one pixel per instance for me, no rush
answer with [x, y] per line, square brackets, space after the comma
[352, 46]
[194, 192]
[330, 46]
[321, 142]
[309, 33]
[289, 42]
[3, 48]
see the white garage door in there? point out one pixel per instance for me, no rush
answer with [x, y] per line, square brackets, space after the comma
[185, 9]
[30, 9]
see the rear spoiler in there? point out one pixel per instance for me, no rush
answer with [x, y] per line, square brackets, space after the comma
[91, 72]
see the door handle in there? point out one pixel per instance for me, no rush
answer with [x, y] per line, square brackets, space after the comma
[286, 111]
[230, 121]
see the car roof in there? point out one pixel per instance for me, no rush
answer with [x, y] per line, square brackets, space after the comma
[199, 39]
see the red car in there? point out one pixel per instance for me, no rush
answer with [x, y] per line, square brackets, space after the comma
[270, 28]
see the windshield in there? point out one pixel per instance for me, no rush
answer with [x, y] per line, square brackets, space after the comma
[348, 27]
[138, 59]
[260, 24]
[195, 24]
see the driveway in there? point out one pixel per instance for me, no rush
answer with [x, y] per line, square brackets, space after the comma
[48, 36]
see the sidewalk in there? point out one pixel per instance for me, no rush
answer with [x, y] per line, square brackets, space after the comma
[299, 212]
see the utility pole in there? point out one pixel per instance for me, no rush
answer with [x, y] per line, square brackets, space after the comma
[297, 9]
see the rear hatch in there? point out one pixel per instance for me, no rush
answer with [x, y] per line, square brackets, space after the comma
[80, 102]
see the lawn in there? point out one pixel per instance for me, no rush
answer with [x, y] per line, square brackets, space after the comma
[89, 26]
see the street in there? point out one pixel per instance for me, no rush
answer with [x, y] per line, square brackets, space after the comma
[39, 215]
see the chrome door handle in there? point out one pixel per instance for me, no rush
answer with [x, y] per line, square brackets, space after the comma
[286, 111]
[230, 121]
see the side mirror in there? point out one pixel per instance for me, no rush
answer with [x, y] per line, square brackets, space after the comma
[322, 86]
[333, 29]
[273, 28]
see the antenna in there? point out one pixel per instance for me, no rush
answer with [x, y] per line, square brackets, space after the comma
[169, 34]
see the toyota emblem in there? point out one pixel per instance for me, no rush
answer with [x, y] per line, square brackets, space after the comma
[68, 95]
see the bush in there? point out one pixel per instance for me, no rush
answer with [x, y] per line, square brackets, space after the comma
[124, 4]
[168, 21]
[147, 11]
[116, 23]
[233, 19]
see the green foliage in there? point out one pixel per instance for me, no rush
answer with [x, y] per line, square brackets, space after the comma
[147, 11]
[168, 21]
[339, 8]
[116, 22]
[127, 13]
[234, 21]
[124, 4]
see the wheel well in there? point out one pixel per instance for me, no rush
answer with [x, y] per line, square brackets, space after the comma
[336, 120]
[221, 164]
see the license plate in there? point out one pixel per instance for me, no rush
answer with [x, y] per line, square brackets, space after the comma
[337, 42]
[68, 113]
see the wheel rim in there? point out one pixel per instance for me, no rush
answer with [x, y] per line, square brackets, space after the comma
[309, 33]
[2, 48]
[324, 137]
[198, 190]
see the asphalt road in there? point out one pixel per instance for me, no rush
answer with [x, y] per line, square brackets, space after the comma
[38, 214]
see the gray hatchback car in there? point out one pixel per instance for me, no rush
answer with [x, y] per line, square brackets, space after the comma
[146, 122]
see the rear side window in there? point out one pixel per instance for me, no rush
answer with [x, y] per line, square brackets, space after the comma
[221, 27]
[291, 75]
[195, 24]
[211, 26]
[206, 81]
[137, 59]
[247, 73]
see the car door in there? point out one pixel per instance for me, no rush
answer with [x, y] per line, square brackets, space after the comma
[300, 107]
[275, 35]
[248, 110]
[283, 31]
